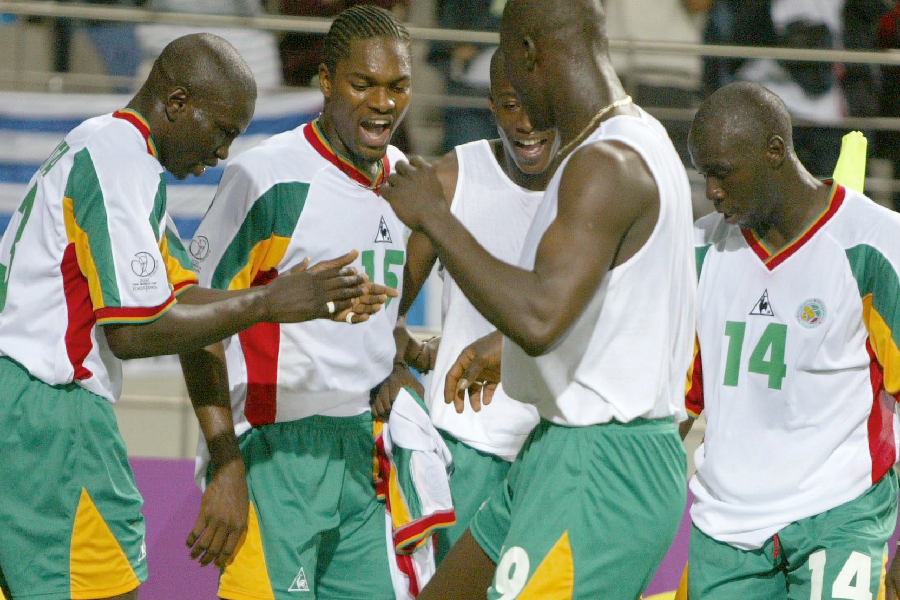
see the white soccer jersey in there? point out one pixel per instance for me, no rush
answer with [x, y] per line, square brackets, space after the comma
[626, 354]
[796, 362]
[498, 213]
[287, 199]
[89, 246]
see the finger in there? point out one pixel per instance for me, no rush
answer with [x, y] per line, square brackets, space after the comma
[381, 290]
[402, 168]
[371, 303]
[215, 546]
[367, 309]
[475, 396]
[454, 374]
[228, 548]
[487, 393]
[350, 281]
[418, 162]
[197, 531]
[335, 263]
[301, 267]
[202, 544]
[471, 373]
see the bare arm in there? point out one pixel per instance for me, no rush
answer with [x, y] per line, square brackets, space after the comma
[202, 317]
[420, 259]
[607, 206]
[224, 508]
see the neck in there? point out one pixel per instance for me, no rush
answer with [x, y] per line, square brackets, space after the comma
[583, 93]
[535, 183]
[334, 140]
[801, 204]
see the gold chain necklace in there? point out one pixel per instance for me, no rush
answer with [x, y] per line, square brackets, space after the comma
[590, 126]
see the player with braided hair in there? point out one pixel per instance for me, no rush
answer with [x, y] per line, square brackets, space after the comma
[300, 395]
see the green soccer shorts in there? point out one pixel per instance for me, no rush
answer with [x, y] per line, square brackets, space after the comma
[585, 512]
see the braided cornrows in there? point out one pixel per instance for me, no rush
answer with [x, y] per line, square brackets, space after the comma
[361, 22]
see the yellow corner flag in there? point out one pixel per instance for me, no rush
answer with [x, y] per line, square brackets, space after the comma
[850, 170]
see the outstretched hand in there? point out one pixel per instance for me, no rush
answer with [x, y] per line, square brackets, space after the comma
[476, 370]
[304, 292]
[413, 190]
[223, 516]
[373, 299]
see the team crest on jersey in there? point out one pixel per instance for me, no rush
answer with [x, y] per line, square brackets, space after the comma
[199, 247]
[812, 313]
[384, 234]
[143, 265]
[763, 307]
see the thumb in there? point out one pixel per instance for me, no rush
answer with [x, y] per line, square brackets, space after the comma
[470, 375]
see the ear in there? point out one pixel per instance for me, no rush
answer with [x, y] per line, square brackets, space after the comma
[324, 81]
[491, 101]
[530, 52]
[176, 103]
[776, 151]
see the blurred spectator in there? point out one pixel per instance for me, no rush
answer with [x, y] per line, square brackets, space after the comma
[466, 68]
[257, 47]
[888, 142]
[810, 90]
[301, 53]
[116, 43]
[655, 79]
[814, 92]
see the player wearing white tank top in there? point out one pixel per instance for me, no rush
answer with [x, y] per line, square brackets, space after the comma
[600, 482]
[494, 188]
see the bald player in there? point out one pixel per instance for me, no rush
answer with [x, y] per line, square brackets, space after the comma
[598, 318]
[89, 274]
[494, 188]
[797, 367]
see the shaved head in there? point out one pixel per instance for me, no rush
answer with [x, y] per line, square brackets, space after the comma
[203, 64]
[562, 21]
[198, 97]
[745, 111]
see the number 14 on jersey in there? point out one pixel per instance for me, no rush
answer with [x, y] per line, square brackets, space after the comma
[767, 357]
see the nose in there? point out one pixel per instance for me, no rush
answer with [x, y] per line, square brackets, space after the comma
[714, 189]
[523, 123]
[222, 151]
[381, 99]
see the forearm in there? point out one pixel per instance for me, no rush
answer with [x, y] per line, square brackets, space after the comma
[514, 300]
[206, 377]
[186, 327]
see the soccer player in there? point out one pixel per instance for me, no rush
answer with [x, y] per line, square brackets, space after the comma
[300, 393]
[598, 318]
[89, 275]
[493, 188]
[796, 367]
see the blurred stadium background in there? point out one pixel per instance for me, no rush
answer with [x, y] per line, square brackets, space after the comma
[39, 104]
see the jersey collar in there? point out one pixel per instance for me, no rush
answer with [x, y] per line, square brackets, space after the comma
[314, 135]
[140, 123]
[772, 259]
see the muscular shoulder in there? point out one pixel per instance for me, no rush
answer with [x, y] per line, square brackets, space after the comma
[610, 175]
[446, 168]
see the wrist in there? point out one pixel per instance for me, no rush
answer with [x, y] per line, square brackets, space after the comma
[224, 452]
[259, 306]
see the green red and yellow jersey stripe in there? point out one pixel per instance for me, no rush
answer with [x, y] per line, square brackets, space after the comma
[772, 257]
[316, 137]
[141, 124]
